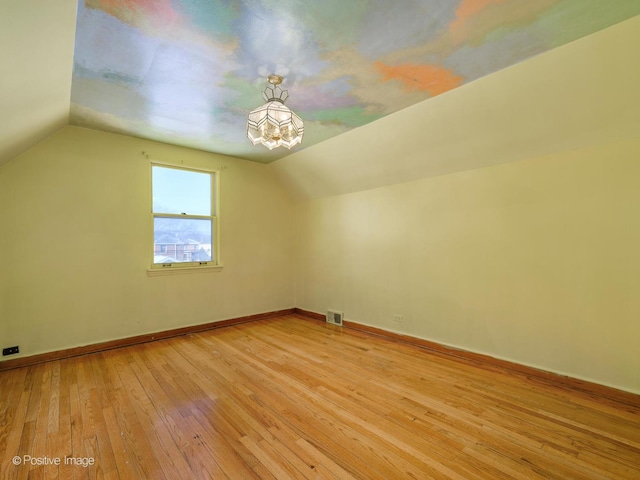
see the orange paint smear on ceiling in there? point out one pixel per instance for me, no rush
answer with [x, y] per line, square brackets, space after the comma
[431, 78]
[136, 12]
[466, 10]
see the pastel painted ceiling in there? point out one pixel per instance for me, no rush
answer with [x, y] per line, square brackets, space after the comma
[188, 72]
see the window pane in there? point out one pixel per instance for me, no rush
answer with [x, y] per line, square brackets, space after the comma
[181, 240]
[181, 191]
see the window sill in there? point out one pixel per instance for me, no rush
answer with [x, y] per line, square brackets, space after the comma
[157, 272]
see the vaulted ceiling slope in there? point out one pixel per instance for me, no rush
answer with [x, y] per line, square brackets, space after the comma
[187, 72]
[36, 59]
[575, 97]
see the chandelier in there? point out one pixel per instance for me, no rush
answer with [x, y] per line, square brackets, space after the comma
[273, 124]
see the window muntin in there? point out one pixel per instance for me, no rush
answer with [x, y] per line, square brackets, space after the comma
[184, 220]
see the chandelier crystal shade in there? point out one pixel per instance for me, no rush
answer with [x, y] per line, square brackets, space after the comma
[273, 124]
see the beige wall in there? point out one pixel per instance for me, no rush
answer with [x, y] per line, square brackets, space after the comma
[36, 54]
[519, 234]
[76, 241]
[4, 280]
[536, 261]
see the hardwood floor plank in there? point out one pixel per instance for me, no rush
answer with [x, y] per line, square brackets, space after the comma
[155, 423]
[13, 410]
[286, 447]
[152, 431]
[61, 442]
[39, 447]
[360, 429]
[287, 398]
[18, 440]
[138, 447]
[281, 470]
[269, 394]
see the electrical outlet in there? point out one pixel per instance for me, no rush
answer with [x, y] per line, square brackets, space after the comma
[397, 318]
[10, 351]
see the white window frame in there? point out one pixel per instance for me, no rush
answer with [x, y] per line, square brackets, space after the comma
[188, 267]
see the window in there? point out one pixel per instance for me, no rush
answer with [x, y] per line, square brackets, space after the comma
[184, 217]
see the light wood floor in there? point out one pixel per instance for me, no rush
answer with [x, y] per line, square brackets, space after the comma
[295, 398]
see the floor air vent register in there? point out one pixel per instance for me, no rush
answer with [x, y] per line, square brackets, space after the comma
[334, 317]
